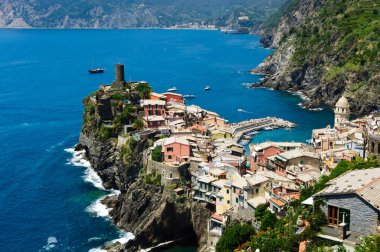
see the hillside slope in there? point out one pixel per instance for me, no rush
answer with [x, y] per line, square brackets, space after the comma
[130, 13]
[326, 48]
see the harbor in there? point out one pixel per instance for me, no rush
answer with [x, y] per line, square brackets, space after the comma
[238, 130]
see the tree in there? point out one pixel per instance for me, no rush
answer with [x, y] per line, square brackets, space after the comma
[260, 210]
[157, 154]
[144, 90]
[138, 124]
[268, 221]
[234, 236]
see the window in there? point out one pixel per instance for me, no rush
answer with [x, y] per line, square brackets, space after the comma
[228, 191]
[301, 162]
[169, 149]
[228, 202]
[257, 190]
[171, 175]
[333, 215]
[236, 200]
[169, 156]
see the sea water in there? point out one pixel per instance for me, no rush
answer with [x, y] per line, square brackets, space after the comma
[49, 196]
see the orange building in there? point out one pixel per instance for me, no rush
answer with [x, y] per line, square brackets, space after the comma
[173, 97]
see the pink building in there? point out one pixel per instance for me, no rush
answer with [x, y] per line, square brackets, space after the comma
[153, 107]
[176, 150]
[260, 153]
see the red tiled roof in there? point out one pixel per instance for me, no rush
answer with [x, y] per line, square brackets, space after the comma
[217, 217]
[277, 202]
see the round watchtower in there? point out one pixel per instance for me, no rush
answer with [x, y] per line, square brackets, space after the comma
[342, 112]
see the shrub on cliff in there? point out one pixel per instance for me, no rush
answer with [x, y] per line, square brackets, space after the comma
[369, 243]
[138, 124]
[157, 154]
[234, 236]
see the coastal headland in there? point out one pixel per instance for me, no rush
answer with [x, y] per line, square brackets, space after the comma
[126, 128]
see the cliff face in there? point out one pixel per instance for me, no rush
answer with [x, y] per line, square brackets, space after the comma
[153, 213]
[326, 49]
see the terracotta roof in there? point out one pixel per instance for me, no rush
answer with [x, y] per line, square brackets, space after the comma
[277, 202]
[217, 217]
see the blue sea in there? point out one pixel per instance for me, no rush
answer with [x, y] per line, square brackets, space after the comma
[48, 200]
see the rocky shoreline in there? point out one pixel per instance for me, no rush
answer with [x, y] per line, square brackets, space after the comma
[155, 215]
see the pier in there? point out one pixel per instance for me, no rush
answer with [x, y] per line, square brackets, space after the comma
[241, 128]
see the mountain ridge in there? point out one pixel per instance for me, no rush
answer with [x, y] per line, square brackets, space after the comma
[128, 14]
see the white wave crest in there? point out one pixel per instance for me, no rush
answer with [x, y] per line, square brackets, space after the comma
[124, 238]
[78, 159]
[51, 243]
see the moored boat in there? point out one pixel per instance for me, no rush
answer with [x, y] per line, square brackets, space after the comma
[173, 89]
[96, 70]
[207, 88]
[190, 96]
[268, 128]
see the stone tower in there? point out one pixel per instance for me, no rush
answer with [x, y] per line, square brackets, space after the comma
[119, 81]
[342, 112]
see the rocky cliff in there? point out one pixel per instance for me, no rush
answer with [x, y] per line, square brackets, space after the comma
[326, 48]
[155, 214]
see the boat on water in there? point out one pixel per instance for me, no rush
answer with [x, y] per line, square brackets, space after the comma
[268, 128]
[240, 110]
[96, 70]
[244, 142]
[173, 89]
[247, 137]
[189, 96]
[207, 88]
[253, 133]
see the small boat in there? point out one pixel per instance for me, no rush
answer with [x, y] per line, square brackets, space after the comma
[253, 133]
[189, 96]
[173, 89]
[268, 128]
[240, 110]
[96, 70]
[207, 88]
[248, 137]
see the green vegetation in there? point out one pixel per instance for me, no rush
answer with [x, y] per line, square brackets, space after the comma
[343, 38]
[106, 132]
[138, 124]
[157, 154]
[369, 244]
[233, 236]
[153, 178]
[144, 90]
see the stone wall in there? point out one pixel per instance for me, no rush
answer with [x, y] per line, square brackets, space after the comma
[169, 174]
[363, 217]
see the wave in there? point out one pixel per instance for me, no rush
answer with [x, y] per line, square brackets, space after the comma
[90, 175]
[51, 243]
[97, 208]
[124, 238]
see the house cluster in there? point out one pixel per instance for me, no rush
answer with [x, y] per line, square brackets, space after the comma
[232, 183]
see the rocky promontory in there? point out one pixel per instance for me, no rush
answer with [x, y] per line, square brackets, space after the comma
[154, 213]
[322, 52]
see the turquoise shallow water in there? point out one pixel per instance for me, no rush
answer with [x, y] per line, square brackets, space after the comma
[43, 79]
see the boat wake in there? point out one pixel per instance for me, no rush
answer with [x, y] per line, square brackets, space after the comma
[244, 111]
[97, 209]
